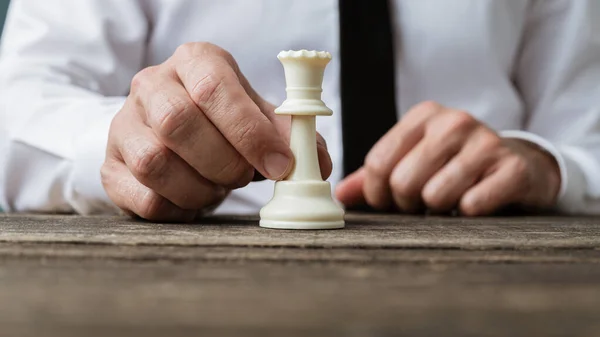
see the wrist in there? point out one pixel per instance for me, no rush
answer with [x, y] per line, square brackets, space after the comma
[551, 173]
[564, 166]
[545, 175]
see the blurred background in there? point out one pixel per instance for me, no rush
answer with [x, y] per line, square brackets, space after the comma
[3, 8]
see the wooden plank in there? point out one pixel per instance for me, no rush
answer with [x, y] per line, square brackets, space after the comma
[176, 254]
[383, 275]
[366, 231]
[93, 297]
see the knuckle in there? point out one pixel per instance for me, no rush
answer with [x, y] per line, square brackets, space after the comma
[219, 52]
[245, 135]
[427, 106]
[208, 89]
[474, 203]
[106, 175]
[150, 163]
[402, 187]
[521, 181]
[115, 122]
[502, 152]
[236, 173]
[204, 49]
[173, 115]
[224, 54]
[150, 206]
[433, 199]
[375, 166]
[518, 164]
[109, 172]
[461, 120]
[188, 49]
[105, 171]
[376, 200]
[432, 148]
[142, 78]
[489, 142]
[468, 207]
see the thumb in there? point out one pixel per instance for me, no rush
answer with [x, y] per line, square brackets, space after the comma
[350, 190]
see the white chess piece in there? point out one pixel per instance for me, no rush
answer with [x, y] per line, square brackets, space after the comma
[303, 200]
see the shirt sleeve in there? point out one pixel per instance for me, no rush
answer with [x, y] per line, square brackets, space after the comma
[558, 75]
[65, 69]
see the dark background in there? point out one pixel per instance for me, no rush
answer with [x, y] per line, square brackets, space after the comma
[3, 7]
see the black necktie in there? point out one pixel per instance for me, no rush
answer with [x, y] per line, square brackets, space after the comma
[367, 77]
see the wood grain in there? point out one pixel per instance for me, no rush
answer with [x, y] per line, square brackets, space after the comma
[363, 231]
[383, 276]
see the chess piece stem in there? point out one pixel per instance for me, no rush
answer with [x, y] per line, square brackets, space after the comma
[303, 140]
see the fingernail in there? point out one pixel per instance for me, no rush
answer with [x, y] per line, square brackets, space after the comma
[276, 164]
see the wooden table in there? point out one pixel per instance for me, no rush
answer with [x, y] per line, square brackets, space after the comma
[381, 276]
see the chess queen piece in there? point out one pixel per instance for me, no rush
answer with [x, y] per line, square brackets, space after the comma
[303, 200]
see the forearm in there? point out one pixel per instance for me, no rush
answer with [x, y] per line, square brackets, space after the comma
[53, 149]
[558, 76]
[64, 66]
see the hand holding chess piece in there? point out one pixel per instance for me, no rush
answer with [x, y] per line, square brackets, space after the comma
[191, 130]
[303, 200]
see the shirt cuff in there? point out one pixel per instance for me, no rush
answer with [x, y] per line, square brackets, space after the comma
[572, 179]
[88, 194]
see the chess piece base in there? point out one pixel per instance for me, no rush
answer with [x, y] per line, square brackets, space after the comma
[302, 205]
[276, 224]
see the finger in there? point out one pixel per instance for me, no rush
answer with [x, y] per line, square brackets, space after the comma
[350, 190]
[283, 124]
[404, 190]
[215, 88]
[325, 163]
[445, 135]
[133, 197]
[197, 141]
[419, 165]
[501, 188]
[444, 190]
[389, 150]
[160, 169]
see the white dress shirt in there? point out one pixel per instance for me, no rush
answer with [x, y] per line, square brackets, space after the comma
[528, 69]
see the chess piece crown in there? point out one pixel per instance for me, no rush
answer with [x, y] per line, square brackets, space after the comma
[304, 77]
